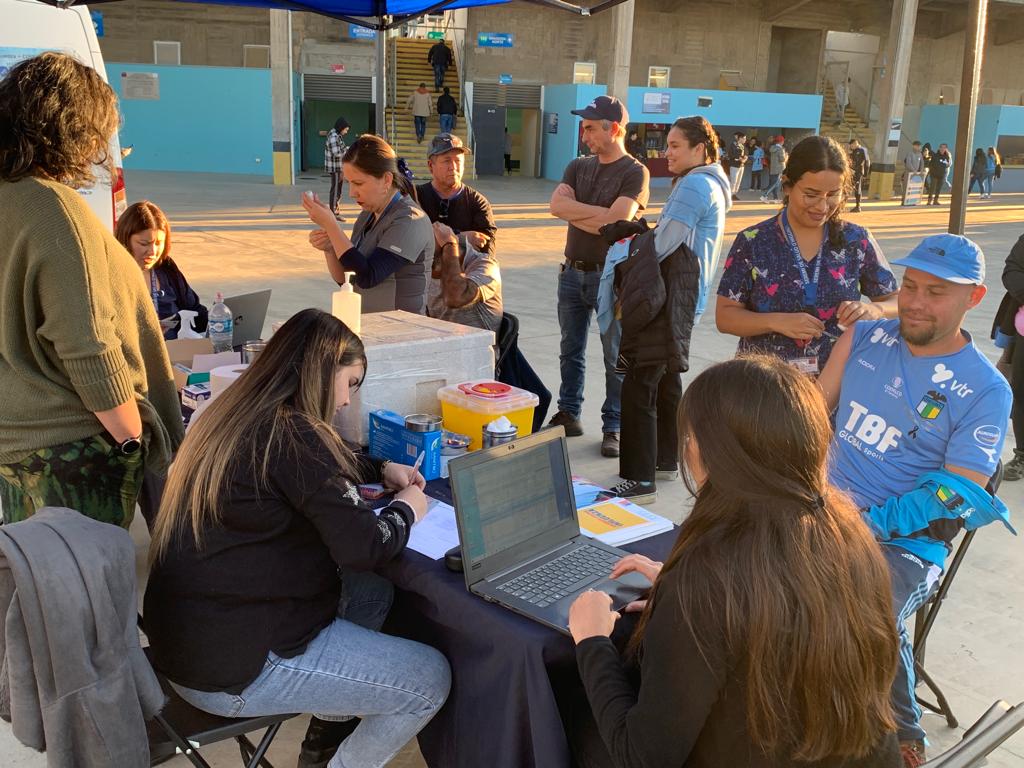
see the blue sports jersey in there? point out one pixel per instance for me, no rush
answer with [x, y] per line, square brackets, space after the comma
[900, 416]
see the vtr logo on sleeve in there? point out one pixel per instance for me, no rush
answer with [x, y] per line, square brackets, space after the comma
[868, 432]
[880, 336]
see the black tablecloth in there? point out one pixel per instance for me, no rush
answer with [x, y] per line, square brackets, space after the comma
[502, 711]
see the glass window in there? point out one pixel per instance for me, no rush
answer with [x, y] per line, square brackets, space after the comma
[167, 52]
[658, 77]
[584, 73]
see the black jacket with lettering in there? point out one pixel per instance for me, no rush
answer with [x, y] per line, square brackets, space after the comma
[657, 302]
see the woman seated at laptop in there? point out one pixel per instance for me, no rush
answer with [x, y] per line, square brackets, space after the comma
[768, 640]
[260, 598]
[392, 240]
[146, 234]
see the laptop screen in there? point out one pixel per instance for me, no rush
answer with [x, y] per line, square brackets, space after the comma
[510, 499]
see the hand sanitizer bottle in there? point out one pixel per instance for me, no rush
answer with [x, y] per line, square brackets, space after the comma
[346, 304]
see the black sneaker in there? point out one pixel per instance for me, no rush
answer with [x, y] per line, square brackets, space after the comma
[572, 425]
[323, 737]
[610, 445]
[636, 491]
[1014, 470]
[667, 471]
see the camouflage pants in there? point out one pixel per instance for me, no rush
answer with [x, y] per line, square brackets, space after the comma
[90, 476]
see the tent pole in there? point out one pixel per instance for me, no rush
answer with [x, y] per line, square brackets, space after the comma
[382, 83]
[974, 48]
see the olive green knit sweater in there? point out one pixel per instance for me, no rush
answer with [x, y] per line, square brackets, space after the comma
[78, 331]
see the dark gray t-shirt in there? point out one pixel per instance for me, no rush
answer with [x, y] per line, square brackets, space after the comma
[405, 230]
[601, 184]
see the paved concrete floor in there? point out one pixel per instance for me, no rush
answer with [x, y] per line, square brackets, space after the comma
[236, 234]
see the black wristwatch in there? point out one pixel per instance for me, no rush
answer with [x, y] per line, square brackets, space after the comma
[131, 446]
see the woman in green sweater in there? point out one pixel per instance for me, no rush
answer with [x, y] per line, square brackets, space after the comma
[88, 395]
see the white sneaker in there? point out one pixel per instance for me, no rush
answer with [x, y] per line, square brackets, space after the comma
[764, 199]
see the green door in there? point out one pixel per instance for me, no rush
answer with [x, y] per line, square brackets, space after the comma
[318, 118]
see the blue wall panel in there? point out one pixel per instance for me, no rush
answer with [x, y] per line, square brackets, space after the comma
[207, 119]
[732, 108]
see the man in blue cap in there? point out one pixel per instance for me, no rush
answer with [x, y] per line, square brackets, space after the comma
[920, 417]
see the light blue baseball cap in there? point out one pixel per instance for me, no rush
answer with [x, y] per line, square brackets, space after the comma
[950, 257]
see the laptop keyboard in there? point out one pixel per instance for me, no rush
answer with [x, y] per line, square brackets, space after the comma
[562, 576]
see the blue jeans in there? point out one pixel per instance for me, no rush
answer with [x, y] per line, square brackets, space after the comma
[986, 183]
[577, 301]
[349, 669]
[447, 123]
[913, 580]
[774, 183]
[421, 126]
[439, 76]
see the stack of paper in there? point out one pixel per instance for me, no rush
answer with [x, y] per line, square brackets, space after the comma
[614, 521]
[617, 522]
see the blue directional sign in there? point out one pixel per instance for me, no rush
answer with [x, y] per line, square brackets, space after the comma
[361, 33]
[494, 40]
[97, 22]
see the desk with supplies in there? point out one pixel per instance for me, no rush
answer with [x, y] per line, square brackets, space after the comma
[508, 672]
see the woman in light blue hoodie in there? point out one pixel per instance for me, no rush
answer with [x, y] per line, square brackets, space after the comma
[694, 215]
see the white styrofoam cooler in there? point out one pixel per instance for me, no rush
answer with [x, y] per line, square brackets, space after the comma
[408, 358]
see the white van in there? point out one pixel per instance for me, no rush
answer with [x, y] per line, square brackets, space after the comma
[29, 27]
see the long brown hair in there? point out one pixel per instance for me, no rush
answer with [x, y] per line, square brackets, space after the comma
[786, 562]
[292, 377]
[375, 157]
[814, 154]
[57, 118]
[140, 217]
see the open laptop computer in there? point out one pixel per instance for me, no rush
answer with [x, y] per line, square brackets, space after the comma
[249, 312]
[520, 534]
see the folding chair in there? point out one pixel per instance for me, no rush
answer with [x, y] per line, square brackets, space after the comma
[994, 727]
[927, 614]
[189, 729]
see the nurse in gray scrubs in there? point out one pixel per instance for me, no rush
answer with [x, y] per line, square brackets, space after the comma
[392, 238]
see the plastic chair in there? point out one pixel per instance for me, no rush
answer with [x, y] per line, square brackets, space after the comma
[994, 727]
[189, 729]
[928, 613]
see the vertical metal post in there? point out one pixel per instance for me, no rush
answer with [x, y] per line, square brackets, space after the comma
[291, 103]
[974, 47]
[382, 80]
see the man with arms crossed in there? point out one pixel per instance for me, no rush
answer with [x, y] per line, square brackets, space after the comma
[920, 417]
[608, 186]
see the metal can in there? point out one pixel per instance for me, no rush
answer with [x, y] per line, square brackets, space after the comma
[422, 422]
[491, 438]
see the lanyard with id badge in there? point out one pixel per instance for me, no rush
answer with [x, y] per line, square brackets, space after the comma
[807, 363]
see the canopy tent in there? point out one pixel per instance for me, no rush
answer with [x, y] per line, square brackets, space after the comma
[379, 14]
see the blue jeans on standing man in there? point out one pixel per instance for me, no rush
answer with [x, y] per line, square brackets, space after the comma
[350, 669]
[421, 126]
[439, 76]
[774, 183]
[447, 123]
[913, 581]
[577, 303]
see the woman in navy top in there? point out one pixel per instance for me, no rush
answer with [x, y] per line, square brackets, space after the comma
[146, 234]
[793, 282]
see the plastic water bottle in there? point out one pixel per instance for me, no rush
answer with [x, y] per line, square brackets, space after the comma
[222, 326]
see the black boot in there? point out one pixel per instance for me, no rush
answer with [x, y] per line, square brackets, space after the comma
[323, 737]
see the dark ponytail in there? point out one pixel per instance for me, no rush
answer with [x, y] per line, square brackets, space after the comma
[698, 130]
[375, 157]
[812, 155]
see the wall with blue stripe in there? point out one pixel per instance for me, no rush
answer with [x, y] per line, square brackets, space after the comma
[745, 109]
[938, 124]
[559, 148]
[207, 119]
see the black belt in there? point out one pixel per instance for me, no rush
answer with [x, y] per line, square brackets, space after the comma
[585, 266]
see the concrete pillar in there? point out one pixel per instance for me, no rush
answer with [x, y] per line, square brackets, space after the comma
[622, 50]
[893, 88]
[282, 98]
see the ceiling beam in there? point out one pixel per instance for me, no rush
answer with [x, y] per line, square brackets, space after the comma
[1007, 31]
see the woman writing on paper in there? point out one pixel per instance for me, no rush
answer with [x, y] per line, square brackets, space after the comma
[261, 598]
[768, 639]
[392, 239]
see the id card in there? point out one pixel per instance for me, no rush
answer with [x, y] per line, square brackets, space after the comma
[806, 364]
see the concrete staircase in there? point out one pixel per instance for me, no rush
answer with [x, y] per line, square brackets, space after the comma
[850, 123]
[409, 59]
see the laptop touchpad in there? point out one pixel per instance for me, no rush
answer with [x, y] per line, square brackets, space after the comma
[625, 589]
